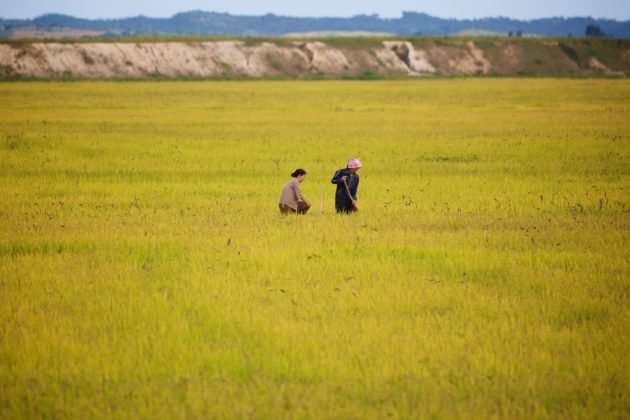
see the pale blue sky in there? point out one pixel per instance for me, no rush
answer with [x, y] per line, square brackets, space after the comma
[522, 9]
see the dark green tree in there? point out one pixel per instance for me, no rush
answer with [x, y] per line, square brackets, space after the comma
[593, 31]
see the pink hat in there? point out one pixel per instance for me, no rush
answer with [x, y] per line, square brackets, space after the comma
[354, 163]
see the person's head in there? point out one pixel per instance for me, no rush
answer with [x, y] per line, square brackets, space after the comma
[299, 174]
[354, 165]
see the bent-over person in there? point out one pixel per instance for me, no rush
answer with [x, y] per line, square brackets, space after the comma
[347, 181]
[292, 200]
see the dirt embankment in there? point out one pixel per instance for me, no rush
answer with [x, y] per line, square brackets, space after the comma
[50, 60]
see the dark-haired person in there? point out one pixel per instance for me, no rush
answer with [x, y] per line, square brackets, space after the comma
[347, 181]
[292, 200]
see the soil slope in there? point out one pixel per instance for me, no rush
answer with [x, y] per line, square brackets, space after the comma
[334, 58]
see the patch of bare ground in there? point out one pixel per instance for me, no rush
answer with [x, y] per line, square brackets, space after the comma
[327, 60]
[269, 59]
[481, 65]
[415, 60]
[456, 58]
[594, 63]
[236, 58]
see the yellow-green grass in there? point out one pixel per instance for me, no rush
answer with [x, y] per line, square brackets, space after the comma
[145, 270]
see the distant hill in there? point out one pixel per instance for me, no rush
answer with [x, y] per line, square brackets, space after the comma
[213, 24]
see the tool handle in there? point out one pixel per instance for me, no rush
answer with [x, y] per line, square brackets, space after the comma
[348, 192]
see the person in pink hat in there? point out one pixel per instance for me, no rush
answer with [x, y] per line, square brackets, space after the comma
[347, 181]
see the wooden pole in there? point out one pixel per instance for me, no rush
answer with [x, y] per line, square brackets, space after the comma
[321, 198]
[348, 192]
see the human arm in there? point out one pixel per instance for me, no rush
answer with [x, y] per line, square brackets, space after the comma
[295, 186]
[338, 177]
[351, 186]
[301, 199]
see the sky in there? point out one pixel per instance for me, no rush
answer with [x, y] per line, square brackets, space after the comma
[459, 9]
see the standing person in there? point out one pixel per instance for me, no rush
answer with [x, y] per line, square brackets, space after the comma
[292, 200]
[347, 181]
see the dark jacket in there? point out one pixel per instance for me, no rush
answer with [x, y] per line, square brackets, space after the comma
[341, 196]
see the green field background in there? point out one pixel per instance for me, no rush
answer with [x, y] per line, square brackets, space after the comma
[145, 271]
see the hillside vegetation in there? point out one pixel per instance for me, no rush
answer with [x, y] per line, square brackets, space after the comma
[374, 57]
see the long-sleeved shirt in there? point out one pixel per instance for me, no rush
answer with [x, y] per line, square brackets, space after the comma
[291, 194]
[341, 196]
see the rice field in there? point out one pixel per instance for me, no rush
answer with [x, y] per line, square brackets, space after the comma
[146, 272]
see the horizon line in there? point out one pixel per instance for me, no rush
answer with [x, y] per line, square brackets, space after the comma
[376, 15]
